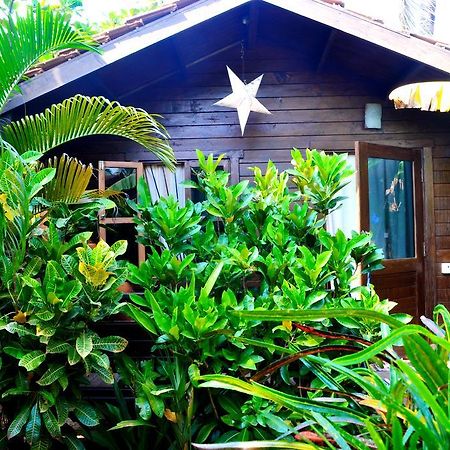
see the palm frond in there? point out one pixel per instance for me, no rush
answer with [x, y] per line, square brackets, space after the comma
[81, 116]
[70, 182]
[19, 184]
[25, 39]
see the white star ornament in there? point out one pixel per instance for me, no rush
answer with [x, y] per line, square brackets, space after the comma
[243, 98]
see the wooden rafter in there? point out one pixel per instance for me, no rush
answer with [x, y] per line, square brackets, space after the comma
[326, 50]
[253, 18]
[174, 72]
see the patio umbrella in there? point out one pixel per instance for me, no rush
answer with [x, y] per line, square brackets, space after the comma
[428, 96]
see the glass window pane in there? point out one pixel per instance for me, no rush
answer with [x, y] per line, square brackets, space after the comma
[391, 206]
[121, 179]
[126, 231]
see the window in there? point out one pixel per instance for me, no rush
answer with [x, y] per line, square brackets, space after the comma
[162, 182]
[118, 224]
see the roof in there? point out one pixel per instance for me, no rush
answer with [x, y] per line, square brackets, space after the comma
[145, 30]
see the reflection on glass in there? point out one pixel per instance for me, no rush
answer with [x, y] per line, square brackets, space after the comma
[391, 206]
[126, 231]
[123, 180]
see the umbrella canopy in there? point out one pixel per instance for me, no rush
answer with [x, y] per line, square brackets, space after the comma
[428, 96]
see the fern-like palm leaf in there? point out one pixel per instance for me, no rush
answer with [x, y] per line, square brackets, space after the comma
[25, 39]
[81, 116]
[70, 182]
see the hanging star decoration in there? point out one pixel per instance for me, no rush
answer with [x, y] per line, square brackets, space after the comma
[243, 98]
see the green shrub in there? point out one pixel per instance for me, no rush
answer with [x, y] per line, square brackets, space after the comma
[247, 247]
[358, 404]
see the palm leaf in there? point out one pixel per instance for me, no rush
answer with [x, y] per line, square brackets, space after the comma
[81, 116]
[24, 40]
[70, 182]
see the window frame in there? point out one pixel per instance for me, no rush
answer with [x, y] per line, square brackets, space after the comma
[230, 163]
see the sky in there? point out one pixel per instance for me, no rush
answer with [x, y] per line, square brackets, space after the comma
[388, 10]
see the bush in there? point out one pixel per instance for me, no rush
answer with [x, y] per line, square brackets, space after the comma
[259, 247]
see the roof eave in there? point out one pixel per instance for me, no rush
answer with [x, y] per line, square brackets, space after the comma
[368, 30]
[132, 42]
[202, 10]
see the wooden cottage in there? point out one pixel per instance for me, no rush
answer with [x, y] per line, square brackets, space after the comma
[327, 74]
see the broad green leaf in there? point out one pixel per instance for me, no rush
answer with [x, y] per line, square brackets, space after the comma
[114, 344]
[40, 179]
[45, 315]
[33, 429]
[57, 347]
[86, 414]
[72, 356]
[14, 351]
[161, 318]
[63, 381]
[157, 404]
[32, 360]
[18, 422]
[51, 423]
[16, 391]
[105, 374]
[51, 375]
[41, 444]
[84, 345]
[212, 279]
[100, 359]
[141, 317]
[119, 247]
[205, 431]
[62, 410]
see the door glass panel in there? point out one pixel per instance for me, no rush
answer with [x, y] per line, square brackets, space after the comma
[123, 180]
[391, 206]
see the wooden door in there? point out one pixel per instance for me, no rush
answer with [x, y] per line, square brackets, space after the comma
[391, 206]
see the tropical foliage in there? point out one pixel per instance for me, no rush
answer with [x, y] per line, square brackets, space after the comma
[244, 248]
[357, 403]
[259, 333]
[54, 287]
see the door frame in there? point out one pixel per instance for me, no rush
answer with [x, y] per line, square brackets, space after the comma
[422, 247]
